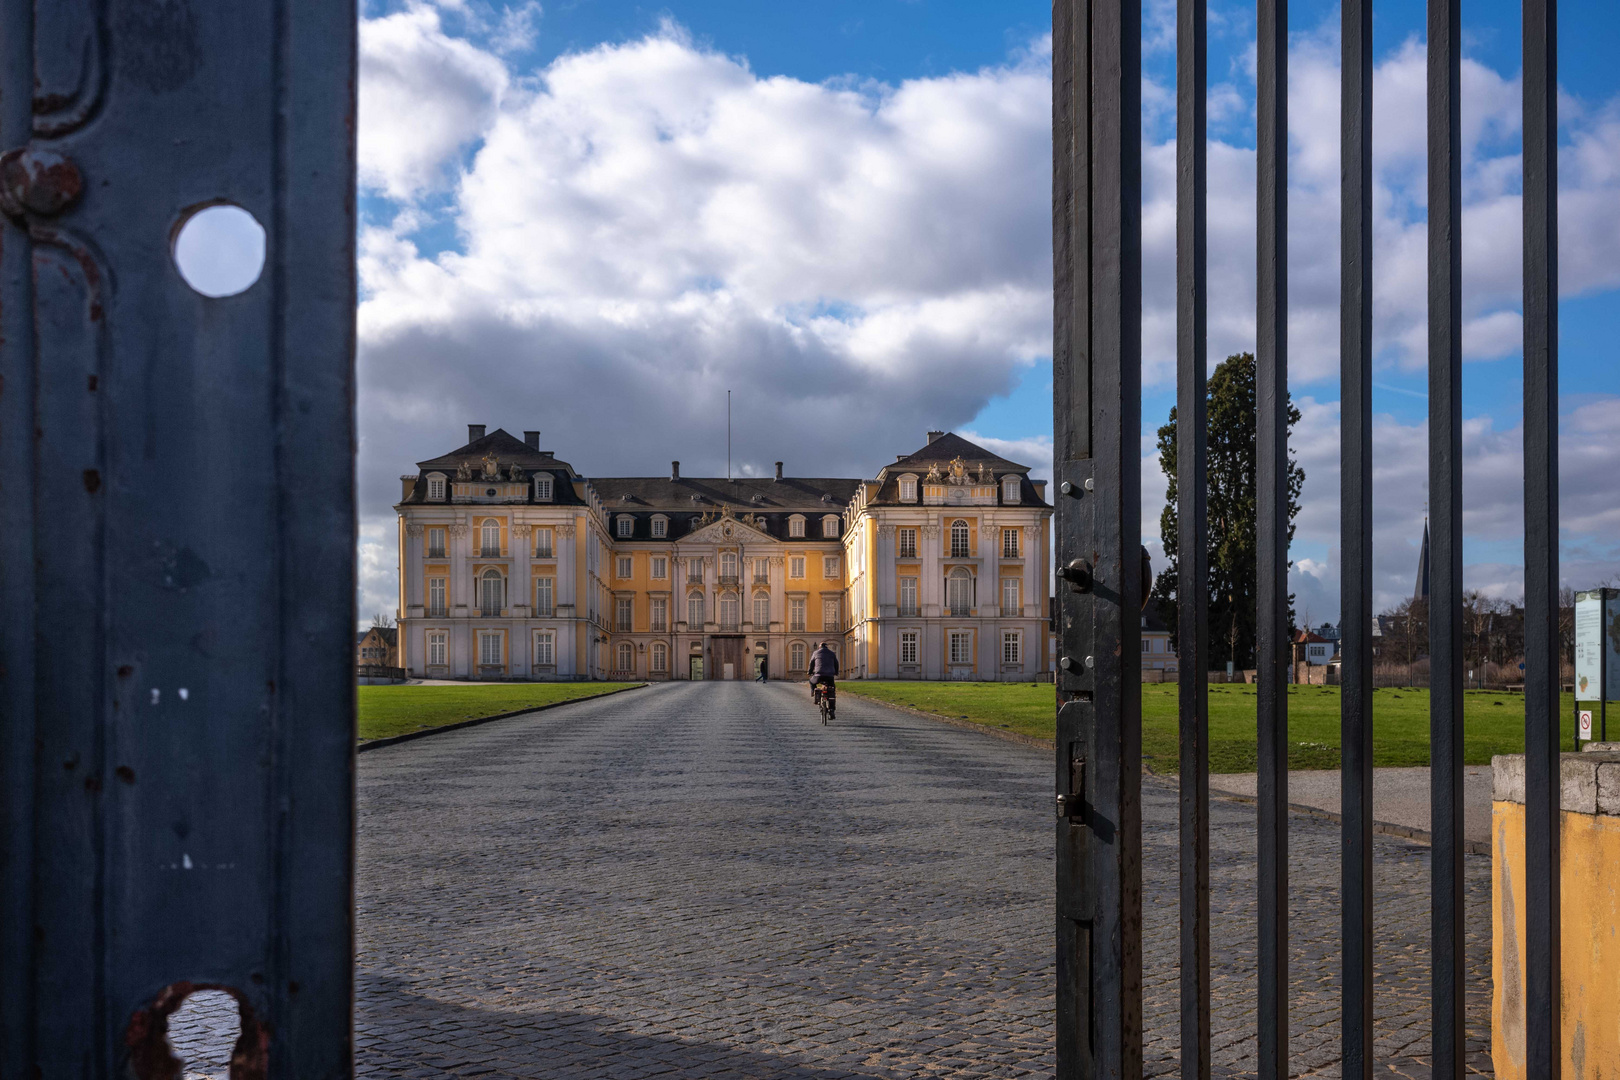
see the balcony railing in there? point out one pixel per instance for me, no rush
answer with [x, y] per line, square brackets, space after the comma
[1011, 611]
[762, 579]
[437, 611]
[907, 611]
[908, 551]
[490, 611]
[961, 610]
[435, 553]
[488, 552]
[730, 626]
[693, 579]
[545, 611]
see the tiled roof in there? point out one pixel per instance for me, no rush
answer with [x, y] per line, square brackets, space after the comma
[688, 503]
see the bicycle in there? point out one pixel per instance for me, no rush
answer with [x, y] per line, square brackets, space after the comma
[827, 699]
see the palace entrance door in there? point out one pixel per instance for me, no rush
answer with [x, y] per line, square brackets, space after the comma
[726, 657]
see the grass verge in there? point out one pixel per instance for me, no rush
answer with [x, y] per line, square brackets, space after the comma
[1493, 723]
[399, 710]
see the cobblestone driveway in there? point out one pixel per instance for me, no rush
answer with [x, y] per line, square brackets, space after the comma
[702, 881]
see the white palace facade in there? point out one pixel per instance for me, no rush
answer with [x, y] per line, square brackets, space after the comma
[515, 566]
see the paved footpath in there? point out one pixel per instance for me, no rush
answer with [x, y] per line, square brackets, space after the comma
[700, 880]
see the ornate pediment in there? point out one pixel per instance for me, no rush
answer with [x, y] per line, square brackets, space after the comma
[729, 530]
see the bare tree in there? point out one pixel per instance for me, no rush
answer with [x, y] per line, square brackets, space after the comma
[382, 621]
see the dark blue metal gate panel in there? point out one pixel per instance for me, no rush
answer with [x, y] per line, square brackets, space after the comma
[177, 532]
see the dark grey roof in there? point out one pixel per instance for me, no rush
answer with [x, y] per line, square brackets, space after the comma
[943, 449]
[689, 503]
[508, 451]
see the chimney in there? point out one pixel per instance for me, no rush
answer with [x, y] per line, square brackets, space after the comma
[532, 438]
[932, 435]
[475, 432]
[674, 470]
[779, 470]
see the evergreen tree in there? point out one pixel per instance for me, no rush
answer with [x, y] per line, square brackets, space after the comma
[1230, 474]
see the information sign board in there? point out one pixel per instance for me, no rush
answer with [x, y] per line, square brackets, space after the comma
[1597, 645]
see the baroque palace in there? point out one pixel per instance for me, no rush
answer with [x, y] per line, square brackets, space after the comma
[514, 566]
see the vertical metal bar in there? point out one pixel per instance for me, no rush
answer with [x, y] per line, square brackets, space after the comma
[1192, 536]
[1097, 410]
[1543, 977]
[1355, 524]
[1445, 502]
[17, 593]
[1271, 493]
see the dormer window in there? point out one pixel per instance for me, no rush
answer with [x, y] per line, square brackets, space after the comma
[626, 524]
[829, 527]
[908, 489]
[542, 489]
[435, 487]
[1009, 489]
[660, 526]
[796, 527]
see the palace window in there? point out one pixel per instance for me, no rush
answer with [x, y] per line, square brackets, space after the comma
[959, 539]
[1009, 489]
[627, 656]
[660, 526]
[624, 612]
[908, 489]
[829, 526]
[1010, 602]
[626, 524]
[1012, 650]
[660, 567]
[730, 612]
[796, 527]
[438, 648]
[623, 568]
[491, 593]
[796, 615]
[908, 646]
[961, 646]
[545, 649]
[436, 596]
[728, 564]
[762, 611]
[797, 657]
[1009, 543]
[908, 596]
[490, 538]
[959, 591]
[829, 616]
[542, 543]
[829, 566]
[796, 566]
[660, 656]
[1145, 645]
[762, 570]
[542, 489]
[435, 490]
[490, 650]
[435, 543]
[907, 543]
[694, 612]
[694, 569]
[659, 611]
[544, 597]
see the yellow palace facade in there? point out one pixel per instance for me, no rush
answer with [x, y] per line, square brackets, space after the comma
[512, 565]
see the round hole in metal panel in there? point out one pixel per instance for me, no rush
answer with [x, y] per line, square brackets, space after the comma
[203, 1032]
[219, 250]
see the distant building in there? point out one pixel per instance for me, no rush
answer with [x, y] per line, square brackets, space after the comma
[1313, 648]
[379, 645]
[1157, 652]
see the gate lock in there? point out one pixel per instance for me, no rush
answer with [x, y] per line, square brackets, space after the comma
[1077, 573]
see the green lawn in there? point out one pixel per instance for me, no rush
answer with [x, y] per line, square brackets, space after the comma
[396, 710]
[1493, 723]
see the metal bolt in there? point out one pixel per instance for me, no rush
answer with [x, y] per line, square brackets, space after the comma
[1067, 663]
[1091, 484]
[1066, 487]
[38, 182]
[1091, 661]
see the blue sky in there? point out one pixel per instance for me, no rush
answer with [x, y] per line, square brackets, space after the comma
[542, 86]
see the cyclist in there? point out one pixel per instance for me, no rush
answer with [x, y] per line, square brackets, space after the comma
[823, 668]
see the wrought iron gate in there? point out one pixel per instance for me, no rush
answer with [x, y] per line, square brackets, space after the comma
[1097, 362]
[177, 535]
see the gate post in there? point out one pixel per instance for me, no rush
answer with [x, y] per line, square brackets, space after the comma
[177, 528]
[1096, 351]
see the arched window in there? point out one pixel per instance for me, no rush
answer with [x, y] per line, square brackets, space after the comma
[491, 593]
[542, 488]
[1009, 489]
[908, 488]
[798, 657]
[489, 538]
[660, 525]
[626, 524]
[627, 656]
[796, 527]
[435, 490]
[660, 656]
[829, 526]
[728, 564]
[959, 539]
[959, 591]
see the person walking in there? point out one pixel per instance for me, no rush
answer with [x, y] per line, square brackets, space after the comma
[764, 669]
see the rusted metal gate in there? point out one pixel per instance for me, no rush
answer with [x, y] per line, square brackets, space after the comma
[1097, 364]
[176, 535]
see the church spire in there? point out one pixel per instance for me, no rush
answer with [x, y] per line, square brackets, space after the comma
[1422, 590]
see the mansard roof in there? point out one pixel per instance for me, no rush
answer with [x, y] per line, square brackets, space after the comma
[508, 451]
[746, 494]
[942, 449]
